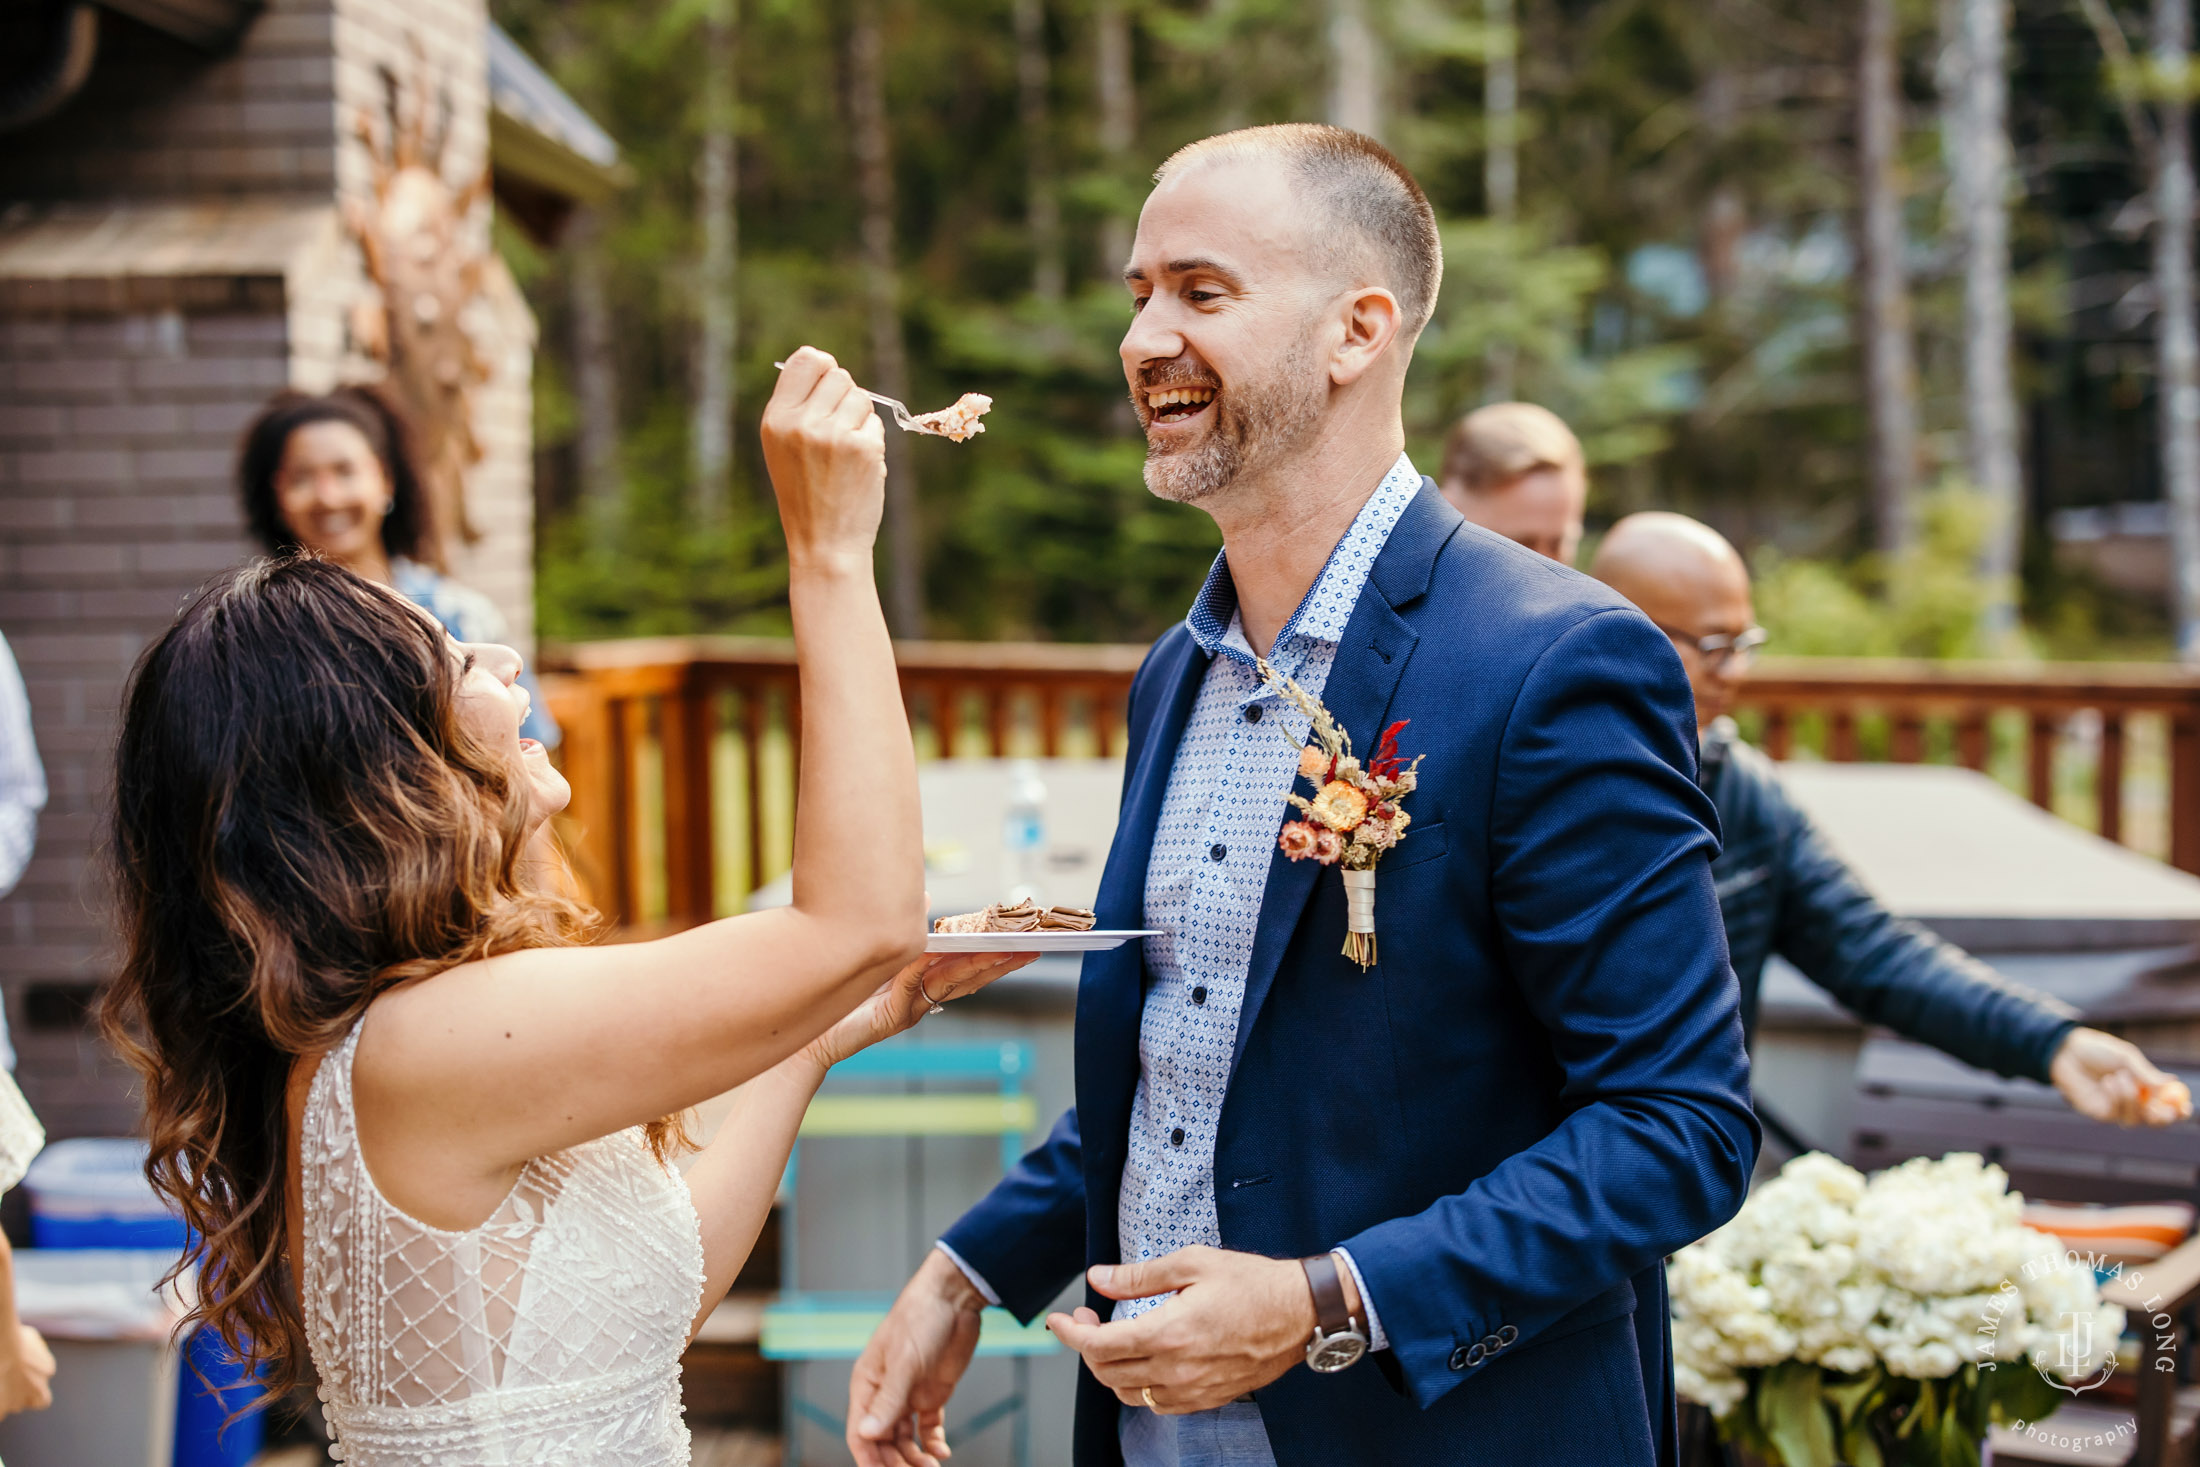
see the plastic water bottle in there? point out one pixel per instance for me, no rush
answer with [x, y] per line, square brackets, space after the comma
[1024, 832]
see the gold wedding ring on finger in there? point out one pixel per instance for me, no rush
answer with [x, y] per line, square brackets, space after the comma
[1147, 1393]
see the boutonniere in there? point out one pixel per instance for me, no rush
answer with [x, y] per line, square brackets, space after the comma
[1357, 811]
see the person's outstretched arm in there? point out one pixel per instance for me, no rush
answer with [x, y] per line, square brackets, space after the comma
[463, 1077]
[1895, 973]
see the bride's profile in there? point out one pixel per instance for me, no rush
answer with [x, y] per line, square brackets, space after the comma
[421, 1132]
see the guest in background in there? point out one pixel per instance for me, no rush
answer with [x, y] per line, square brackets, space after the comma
[26, 1365]
[1517, 469]
[1782, 889]
[332, 473]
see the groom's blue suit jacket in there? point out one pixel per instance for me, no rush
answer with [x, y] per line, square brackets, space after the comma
[1537, 1093]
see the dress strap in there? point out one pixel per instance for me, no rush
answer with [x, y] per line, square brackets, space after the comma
[331, 1225]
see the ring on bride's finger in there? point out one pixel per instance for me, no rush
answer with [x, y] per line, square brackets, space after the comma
[1147, 1392]
[936, 1008]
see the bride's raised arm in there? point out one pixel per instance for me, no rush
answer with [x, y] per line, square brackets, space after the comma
[537, 1050]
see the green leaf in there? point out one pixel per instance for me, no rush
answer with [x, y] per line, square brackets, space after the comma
[1924, 1416]
[1958, 1443]
[1859, 1447]
[1791, 1406]
[1854, 1398]
[2018, 1393]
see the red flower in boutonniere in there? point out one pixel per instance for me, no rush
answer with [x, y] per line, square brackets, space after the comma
[1355, 813]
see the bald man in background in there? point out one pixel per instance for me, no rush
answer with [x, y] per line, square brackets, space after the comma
[1781, 887]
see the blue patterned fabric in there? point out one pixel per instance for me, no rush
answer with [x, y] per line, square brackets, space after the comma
[1208, 873]
[1230, 1437]
[1204, 883]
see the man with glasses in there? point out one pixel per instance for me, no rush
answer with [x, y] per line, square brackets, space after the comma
[1781, 887]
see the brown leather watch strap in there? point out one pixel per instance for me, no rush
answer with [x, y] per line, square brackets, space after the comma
[1329, 1306]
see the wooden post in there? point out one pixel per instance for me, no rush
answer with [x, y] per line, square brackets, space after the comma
[2184, 788]
[1972, 742]
[633, 726]
[687, 723]
[590, 758]
[754, 715]
[1909, 737]
[2109, 782]
[2041, 757]
[1051, 697]
[1779, 733]
[1841, 735]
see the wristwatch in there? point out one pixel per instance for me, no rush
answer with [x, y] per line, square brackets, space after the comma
[1338, 1341]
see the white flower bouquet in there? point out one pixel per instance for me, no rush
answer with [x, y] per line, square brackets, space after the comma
[1883, 1321]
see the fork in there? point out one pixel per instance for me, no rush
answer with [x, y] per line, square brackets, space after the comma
[903, 418]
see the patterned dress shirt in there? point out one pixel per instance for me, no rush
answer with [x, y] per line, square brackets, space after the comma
[1205, 880]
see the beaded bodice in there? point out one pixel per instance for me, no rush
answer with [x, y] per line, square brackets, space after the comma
[549, 1334]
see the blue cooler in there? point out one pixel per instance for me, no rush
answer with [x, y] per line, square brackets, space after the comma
[213, 1384]
[91, 1192]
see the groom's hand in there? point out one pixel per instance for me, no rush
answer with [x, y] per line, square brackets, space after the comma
[1238, 1321]
[897, 1394]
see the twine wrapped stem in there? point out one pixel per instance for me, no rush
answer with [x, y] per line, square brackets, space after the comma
[1359, 923]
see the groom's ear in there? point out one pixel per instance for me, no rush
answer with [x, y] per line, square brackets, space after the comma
[1372, 320]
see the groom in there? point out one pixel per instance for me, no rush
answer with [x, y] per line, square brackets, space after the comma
[1472, 1156]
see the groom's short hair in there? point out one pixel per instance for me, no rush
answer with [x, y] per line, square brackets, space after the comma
[1376, 214]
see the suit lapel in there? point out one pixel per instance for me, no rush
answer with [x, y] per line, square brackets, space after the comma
[1371, 659]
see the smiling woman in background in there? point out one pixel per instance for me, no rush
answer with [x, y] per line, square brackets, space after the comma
[331, 473]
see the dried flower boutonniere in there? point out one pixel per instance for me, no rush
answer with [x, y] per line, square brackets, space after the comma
[1355, 814]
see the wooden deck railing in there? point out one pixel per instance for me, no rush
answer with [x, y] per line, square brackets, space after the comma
[682, 751]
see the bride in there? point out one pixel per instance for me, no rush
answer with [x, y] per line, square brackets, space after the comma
[420, 1133]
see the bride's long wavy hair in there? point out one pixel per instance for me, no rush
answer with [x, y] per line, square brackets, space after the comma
[301, 823]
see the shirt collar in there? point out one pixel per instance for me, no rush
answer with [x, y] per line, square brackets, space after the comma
[1328, 603]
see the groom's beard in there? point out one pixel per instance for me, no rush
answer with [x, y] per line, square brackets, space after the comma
[1255, 425]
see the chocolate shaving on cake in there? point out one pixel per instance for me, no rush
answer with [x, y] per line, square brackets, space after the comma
[1065, 919]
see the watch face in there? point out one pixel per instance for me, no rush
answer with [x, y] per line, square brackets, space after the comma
[1335, 1352]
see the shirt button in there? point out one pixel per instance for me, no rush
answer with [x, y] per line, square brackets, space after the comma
[1217, 851]
[1176, 1137]
[1252, 714]
[1199, 994]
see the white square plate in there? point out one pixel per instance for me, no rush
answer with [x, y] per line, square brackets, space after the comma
[1030, 942]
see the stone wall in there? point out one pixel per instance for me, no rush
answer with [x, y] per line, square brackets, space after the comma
[170, 255]
[115, 441]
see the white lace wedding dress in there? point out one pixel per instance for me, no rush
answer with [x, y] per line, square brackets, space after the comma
[550, 1334]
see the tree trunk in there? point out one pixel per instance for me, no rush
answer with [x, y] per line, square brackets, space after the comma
[595, 377]
[1118, 119]
[2179, 354]
[710, 432]
[1355, 69]
[1501, 160]
[882, 290]
[1890, 367]
[1501, 111]
[1042, 211]
[1977, 142]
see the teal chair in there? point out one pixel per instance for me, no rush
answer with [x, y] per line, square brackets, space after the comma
[814, 1325]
